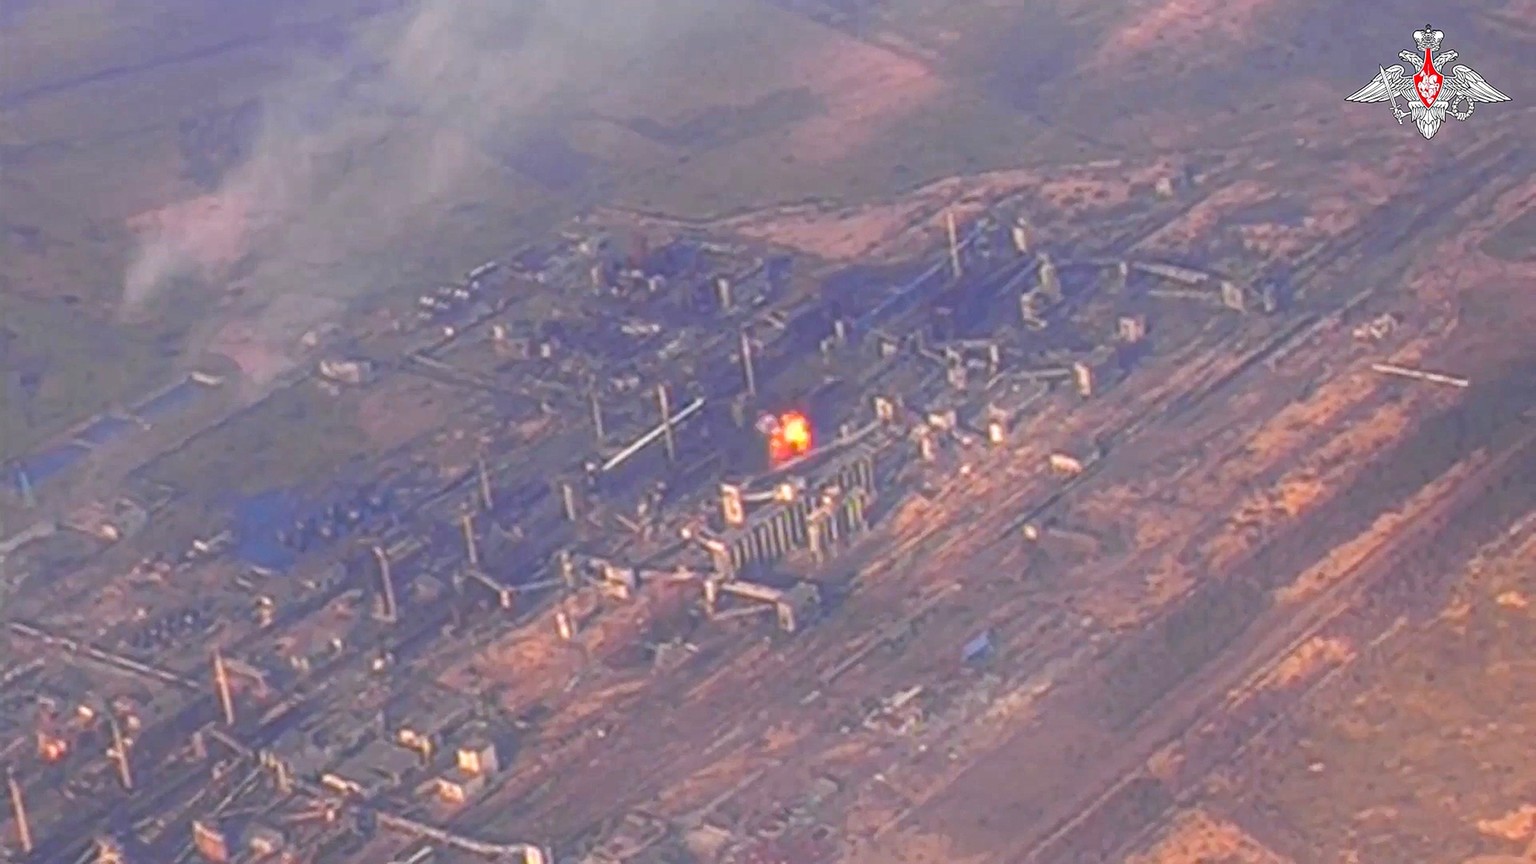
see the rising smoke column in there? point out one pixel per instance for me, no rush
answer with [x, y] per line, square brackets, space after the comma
[360, 147]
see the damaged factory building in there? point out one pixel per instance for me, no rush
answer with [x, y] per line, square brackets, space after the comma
[476, 762]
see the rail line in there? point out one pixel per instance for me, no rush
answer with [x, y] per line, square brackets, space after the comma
[1204, 693]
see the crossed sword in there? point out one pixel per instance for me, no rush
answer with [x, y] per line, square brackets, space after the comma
[1392, 96]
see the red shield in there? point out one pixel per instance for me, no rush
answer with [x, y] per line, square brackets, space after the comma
[1427, 82]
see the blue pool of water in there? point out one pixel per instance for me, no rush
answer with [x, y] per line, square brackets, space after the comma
[178, 398]
[43, 466]
[106, 429]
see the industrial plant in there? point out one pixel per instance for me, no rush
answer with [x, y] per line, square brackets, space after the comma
[645, 455]
[769, 432]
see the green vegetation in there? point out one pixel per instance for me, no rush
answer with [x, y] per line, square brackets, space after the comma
[61, 365]
[291, 438]
[1516, 241]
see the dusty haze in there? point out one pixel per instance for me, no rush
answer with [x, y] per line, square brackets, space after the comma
[375, 139]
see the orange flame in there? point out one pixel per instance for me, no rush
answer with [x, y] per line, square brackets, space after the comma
[791, 437]
[797, 432]
[52, 749]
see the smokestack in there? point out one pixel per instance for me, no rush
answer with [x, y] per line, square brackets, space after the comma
[1082, 377]
[746, 364]
[221, 684]
[1120, 277]
[471, 551]
[19, 808]
[1021, 237]
[567, 567]
[732, 508]
[1049, 283]
[597, 418]
[120, 752]
[666, 422]
[954, 242]
[389, 612]
[564, 626]
[568, 500]
[486, 501]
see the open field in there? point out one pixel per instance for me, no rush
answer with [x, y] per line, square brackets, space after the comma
[1414, 743]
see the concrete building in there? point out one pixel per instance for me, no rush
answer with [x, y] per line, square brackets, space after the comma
[477, 751]
[378, 768]
[424, 722]
[476, 760]
[214, 841]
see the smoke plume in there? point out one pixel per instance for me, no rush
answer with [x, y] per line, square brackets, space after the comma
[364, 145]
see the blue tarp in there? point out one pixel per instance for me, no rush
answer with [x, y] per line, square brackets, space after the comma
[979, 648]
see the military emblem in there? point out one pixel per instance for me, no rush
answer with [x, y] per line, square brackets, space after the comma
[1428, 93]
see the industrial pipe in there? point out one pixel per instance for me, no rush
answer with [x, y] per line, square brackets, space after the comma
[661, 429]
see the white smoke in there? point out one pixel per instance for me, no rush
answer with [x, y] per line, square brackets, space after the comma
[361, 149]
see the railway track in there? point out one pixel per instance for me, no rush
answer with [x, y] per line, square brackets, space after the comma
[1086, 830]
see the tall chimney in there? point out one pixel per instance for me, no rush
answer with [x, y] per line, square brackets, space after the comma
[666, 422]
[19, 808]
[954, 242]
[471, 551]
[27, 496]
[486, 501]
[389, 612]
[1120, 277]
[1049, 282]
[1082, 378]
[746, 364]
[597, 418]
[221, 684]
[120, 752]
[1021, 236]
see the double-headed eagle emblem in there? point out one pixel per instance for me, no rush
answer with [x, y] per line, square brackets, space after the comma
[1429, 94]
